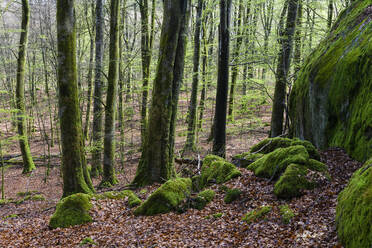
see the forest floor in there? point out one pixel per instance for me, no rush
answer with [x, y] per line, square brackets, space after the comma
[26, 224]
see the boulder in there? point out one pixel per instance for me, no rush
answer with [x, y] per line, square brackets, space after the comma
[354, 210]
[331, 100]
[166, 198]
[72, 210]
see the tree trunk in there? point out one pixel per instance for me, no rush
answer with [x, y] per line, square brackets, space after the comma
[219, 133]
[109, 177]
[234, 75]
[74, 171]
[282, 70]
[98, 91]
[191, 116]
[28, 164]
[155, 163]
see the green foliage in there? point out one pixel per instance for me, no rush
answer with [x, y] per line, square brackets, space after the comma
[286, 213]
[246, 158]
[354, 209]
[166, 198]
[232, 195]
[273, 164]
[256, 214]
[72, 210]
[216, 170]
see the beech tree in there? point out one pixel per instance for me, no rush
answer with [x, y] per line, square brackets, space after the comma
[75, 174]
[219, 126]
[28, 164]
[156, 164]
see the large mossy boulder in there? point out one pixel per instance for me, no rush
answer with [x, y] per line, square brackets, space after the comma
[354, 210]
[72, 210]
[331, 101]
[274, 163]
[216, 170]
[166, 198]
[271, 144]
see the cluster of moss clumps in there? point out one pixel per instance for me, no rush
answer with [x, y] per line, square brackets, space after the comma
[286, 213]
[331, 100]
[292, 162]
[354, 209]
[202, 199]
[257, 214]
[166, 198]
[72, 210]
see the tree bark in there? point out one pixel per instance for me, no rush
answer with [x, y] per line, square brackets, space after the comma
[98, 91]
[282, 70]
[28, 164]
[219, 133]
[155, 163]
[74, 171]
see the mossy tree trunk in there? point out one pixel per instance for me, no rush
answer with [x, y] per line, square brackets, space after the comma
[234, 74]
[109, 177]
[191, 115]
[178, 71]
[98, 91]
[282, 70]
[28, 164]
[219, 126]
[155, 163]
[74, 171]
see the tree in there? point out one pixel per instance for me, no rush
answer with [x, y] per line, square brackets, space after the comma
[28, 164]
[191, 116]
[98, 91]
[155, 164]
[109, 177]
[282, 70]
[219, 132]
[74, 171]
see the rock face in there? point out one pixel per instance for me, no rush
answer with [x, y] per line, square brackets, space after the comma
[354, 210]
[331, 101]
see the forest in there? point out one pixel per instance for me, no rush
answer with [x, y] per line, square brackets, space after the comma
[186, 123]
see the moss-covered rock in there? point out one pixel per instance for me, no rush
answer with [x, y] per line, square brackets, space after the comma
[256, 214]
[72, 210]
[286, 213]
[232, 195]
[203, 198]
[298, 178]
[274, 163]
[354, 209]
[216, 170]
[246, 158]
[331, 101]
[271, 144]
[133, 199]
[166, 198]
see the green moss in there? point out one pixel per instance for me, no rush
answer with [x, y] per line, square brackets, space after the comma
[286, 213]
[88, 241]
[37, 198]
[133, 199]
[271, 144]
[166, 198]
[203, 198]
[354, 209]
[216, 170]
[331, 101]
[273, 164]
[256, 214]
[72, 210]
[246, 158]
[232, 195]
[217, 215]
[10, 216]
[26, 193]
